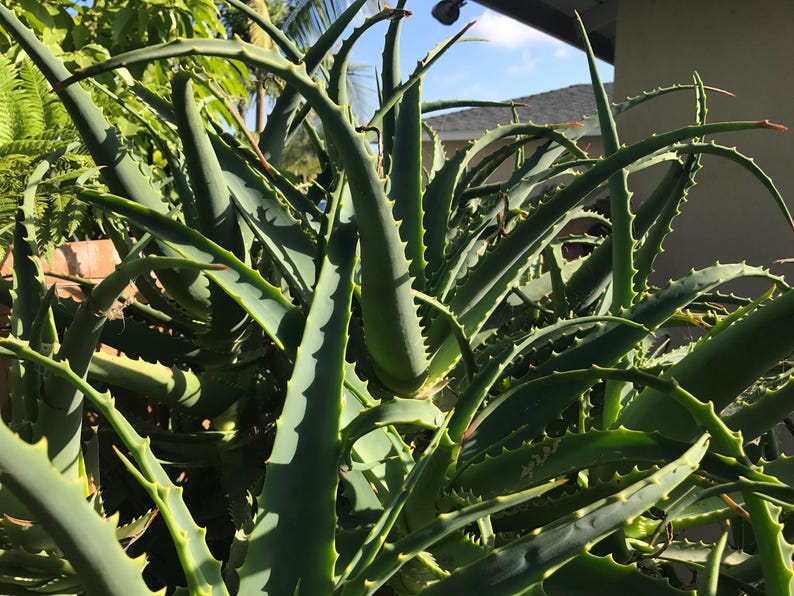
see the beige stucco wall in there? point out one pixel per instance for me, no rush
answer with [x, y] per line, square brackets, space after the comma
[742, 46]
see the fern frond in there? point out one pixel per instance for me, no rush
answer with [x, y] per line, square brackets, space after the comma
[33, 99]
[8, 84]
[31, 147]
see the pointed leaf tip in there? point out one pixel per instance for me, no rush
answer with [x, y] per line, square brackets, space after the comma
[768, 124]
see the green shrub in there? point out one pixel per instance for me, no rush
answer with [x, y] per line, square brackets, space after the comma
[445, 405]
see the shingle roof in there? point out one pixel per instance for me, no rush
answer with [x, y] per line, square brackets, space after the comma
[561, 105]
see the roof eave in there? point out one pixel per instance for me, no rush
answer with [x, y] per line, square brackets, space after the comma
[560, 24]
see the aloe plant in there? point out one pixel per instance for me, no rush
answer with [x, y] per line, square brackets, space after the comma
[391, 376]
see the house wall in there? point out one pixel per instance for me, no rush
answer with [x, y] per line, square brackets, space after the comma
[741, 46]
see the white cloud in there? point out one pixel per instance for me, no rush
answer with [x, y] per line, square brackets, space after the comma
[563, 52]
[526, 64]
[509, 33]
[480, 91]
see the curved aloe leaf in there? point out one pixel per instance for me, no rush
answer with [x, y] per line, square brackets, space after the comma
[421, 504]
[560, 456]
[266, 304]
[651, 224]
[471, 399]
[388, 102]
[667, 199]
[705, 418]
[390, 561]
[736, 357]
[214, 210]
[739, 570]
[602, 576]
[391, 76]
[708, 580]
[405, 187]
[134, 338]
[651, 246]
[515, 567]
[337, 77]
[488, 282]
[27, 295]
[201, 569]
[620, 207]
[60, 413]
[396, 411]
[273, 138]
[755, 418]
[202, 395]
[428, 107]
[87, 541]
[261, 206]
[391, 322]
[523, 408]
[439, 195]
[748, 163]
[291, 548]
[384, 452]
[411, 484]
[775, 552]
[42, 571]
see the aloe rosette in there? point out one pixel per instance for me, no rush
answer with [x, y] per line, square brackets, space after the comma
[390, 376]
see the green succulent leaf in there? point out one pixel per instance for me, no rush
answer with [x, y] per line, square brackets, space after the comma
[603, 576]
[736, 356]
[386, 564]
[524, 562]
[265, 303]
[412, 412]
[291, 548]
[201, 569]
[774, 550]
[87, 541]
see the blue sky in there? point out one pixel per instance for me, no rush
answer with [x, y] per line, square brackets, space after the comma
[516, 61]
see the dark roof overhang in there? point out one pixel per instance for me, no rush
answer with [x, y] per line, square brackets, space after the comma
[555, 17]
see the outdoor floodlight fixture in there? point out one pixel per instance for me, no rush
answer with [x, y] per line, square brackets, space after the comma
[448, 11]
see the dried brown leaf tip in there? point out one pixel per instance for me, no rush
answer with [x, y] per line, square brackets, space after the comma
[395, 14]
[768, 124]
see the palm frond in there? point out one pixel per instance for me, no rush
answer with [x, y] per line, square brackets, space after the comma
[306, 19]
